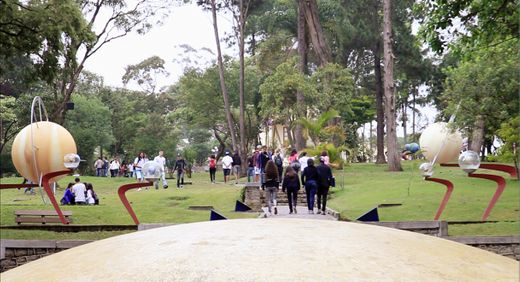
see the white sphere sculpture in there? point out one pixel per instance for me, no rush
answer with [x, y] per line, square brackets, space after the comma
[152, 171]
[469, 161]
[439, 139]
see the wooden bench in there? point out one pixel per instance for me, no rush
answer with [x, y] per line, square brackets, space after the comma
[40, 216]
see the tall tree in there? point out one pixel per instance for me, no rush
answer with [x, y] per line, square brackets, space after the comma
[394, 161]
[302, 52]
[223, 87]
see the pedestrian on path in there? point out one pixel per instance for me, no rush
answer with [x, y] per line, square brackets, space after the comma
[324, 183]
[310, 178]
[291, 185]
[237, 163]
[227, 165]
[278, 161]
[271, 185]
[212, 163]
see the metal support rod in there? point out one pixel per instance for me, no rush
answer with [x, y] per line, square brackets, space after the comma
[121, 192]
[498, 167]
[501, 185]
[447, 195]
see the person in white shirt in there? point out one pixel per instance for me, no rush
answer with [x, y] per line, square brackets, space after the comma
[161, 160]
[138, 166]
[79, 192]
[114, 168]
[303, 160]
[227, 164]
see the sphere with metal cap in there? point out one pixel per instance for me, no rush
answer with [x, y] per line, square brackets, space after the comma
[71, 160]
[469, 161]
[152, 171]
[39, 148]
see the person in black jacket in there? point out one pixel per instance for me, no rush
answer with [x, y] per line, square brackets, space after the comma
[271, 185]
[291, 184]
[237, 164]
[323, 185]
[310, 178]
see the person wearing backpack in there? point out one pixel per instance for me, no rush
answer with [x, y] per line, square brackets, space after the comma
[278, 161]
[293, 160]
[325, 180]
[212, 168]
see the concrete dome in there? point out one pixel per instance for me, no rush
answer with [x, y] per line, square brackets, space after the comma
[270, 250]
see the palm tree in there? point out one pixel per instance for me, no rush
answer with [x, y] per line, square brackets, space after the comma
[315, 127]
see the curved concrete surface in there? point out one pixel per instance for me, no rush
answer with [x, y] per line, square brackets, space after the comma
[270, 250]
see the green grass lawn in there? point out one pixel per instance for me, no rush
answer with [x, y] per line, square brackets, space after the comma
[151, 206]
[368, 185]
[364, 187]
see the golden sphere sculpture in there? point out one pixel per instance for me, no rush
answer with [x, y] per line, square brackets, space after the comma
[439, 139]
[39, 148]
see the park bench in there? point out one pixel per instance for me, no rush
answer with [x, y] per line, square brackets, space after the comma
[40, 216]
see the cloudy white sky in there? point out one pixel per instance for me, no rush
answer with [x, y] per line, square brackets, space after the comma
[186, 25]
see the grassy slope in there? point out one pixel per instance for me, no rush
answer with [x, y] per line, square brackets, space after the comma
[367, 185]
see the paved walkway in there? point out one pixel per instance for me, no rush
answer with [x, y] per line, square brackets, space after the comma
[283, 212]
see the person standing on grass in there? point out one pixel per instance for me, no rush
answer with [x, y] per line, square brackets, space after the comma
[114, 167]
[324, 183]
[212, 163]
[291, 185]
[138, 167]
[105, 167]
[227, 164]
[310, 178]
[271, 183]
[180, 167]
[130, 169]
[79, 189]
[98, 165]
[161, 160]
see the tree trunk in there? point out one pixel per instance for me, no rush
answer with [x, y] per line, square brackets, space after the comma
[380, 114]
[241, 121]
[316, 32]
[414, 93]
[221, 76]
[394, 161]
[477, 136]
[405, 119]
[302, 51]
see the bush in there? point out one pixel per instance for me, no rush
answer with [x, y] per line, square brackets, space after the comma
[333, 152]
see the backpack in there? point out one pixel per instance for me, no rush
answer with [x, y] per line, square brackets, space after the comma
[278, 160]
[296, 165]
[212, 163]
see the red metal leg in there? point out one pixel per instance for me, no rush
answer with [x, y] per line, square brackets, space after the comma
[121, 192]
[12, 186]
[501, 185]
[447, 195]
[47, 187]
[499, 167]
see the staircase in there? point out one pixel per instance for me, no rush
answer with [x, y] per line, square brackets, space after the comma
[255, 198]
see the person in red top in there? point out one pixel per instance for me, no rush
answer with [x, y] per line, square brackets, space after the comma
[212, 168]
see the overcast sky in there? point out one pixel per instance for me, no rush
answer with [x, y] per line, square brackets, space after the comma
[185, 25]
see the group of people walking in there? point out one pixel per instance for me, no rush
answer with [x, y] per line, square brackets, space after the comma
[316, 180]
[268, 169]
